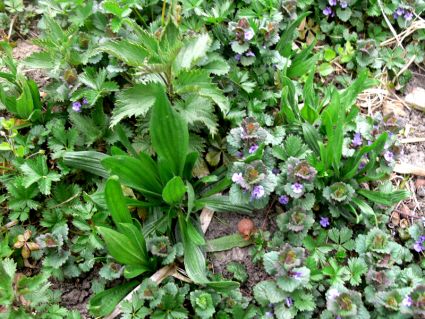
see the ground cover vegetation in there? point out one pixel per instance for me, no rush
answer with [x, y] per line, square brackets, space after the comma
[156, 113]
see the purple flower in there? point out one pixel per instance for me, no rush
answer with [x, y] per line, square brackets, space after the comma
[399, 12]
[332, 2]
[275, 171]
[250, 53]
[297, 188]
[333, 293]
[419, 244]
[238, 57]
[407, 301]
[85, 101]
[357, 140]
[269, 314]
[239, 154]
[249, 34]
[324, 222]
[327, 11]
[283, 199]
[76, 106]
[343, 4]
[253, 148]
[362, 164]
[289, 302]
[389, 156]
[408, 16]
[237, 178]
[257, 192]
[296, 275]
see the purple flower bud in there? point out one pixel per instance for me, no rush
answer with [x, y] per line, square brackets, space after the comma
[332, 2]
[389, 156]
[253, 148]
[400, 11]
[250, 54]
[297, 188]
[238, 57]
[284, 200]
[408, 16]
[85, 101]
[239, 154]
[357, 140]
[343, 4]
[76, 106]
[324, 222]
[257, 192]
[327, 11]
[289, 302]
[269, 314]
[275, 171]
[407, 301]
[248, 35]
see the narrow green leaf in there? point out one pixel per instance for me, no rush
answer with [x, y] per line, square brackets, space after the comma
[89, 161]
[387, 199]
[115, 201]
[226, 243]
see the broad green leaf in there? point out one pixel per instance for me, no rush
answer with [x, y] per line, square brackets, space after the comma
[121, 248]
[36, 171]
[135, 236]
[131, 53]
[135, 101]
[116, 202]
[139, 173]
[89, 161]
[103, 303]
[174, 191]
[170, 135]
[387, 199]
[193, 50]
[194, 235]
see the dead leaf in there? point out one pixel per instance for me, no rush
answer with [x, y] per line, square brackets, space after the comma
[403, 168]
[393, 107]
[416, 98]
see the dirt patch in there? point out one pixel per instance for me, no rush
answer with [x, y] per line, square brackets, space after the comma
[23, 50]
[224, 224]
[76, 292]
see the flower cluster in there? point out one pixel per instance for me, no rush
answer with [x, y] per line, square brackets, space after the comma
[77, 105]
[329, 10]
[403, 13]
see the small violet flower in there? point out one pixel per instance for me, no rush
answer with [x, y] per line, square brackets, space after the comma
[333, 293]
[238, 57]
[398, 13]
[407, 301]
[296, 275]
[419, 245]
[283, 199]
[237, 178]
[76, 106]
[297, 188]
[248, 35]
[357, 140]
[332, 2]
[324, 222]
[257, 192]
[250, 54]
[289, 302]
[269, 314]
[343, 4]
[327, 11]
[253, 148]
[389, 156]
[275, 171]
[408, 16]
[85, 101]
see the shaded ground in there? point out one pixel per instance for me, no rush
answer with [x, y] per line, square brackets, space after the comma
[24, 49]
